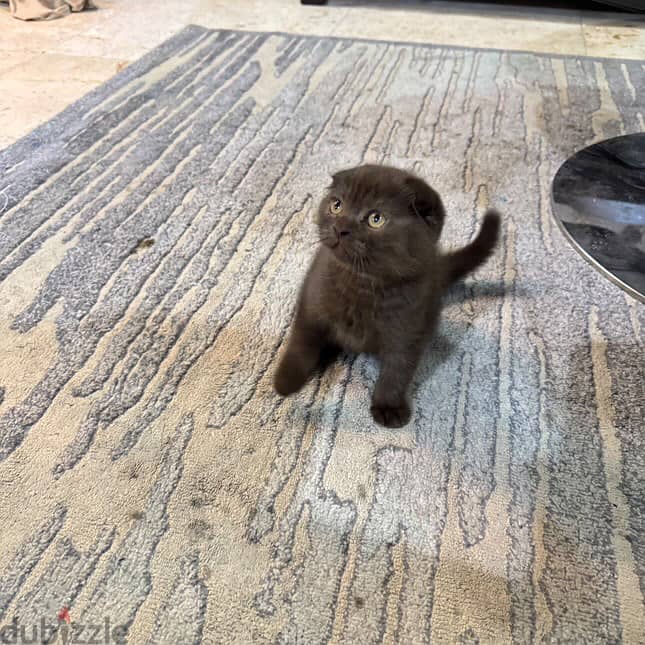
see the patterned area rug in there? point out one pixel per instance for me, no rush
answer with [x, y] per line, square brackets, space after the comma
[152, 240]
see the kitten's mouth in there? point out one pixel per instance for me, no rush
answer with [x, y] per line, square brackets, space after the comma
[332, 243]
[338, 248]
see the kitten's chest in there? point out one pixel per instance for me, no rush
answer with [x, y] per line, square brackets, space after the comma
[351, 311]
[353, 324]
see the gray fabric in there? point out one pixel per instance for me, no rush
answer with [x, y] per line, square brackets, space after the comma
[152, 240]
[46, 9]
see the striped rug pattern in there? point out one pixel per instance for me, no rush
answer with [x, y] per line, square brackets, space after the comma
[152, 240]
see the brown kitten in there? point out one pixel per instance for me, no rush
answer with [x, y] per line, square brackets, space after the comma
[376, 282]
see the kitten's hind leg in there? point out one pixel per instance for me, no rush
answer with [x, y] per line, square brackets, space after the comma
[390, 407]
[300, 359]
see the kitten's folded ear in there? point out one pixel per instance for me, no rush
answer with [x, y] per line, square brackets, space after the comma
[342, 175]
[425, 202]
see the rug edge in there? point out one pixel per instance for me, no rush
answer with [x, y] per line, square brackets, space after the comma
[43, 132]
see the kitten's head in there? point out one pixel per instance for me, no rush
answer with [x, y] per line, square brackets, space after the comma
[381, 221]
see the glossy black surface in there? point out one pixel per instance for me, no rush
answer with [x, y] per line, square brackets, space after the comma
[599, 201]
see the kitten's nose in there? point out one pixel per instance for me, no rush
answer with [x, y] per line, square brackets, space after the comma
[341, 233]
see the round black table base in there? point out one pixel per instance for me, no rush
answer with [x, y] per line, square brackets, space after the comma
[599, 203]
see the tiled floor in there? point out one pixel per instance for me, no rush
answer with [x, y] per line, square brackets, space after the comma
[47, 65]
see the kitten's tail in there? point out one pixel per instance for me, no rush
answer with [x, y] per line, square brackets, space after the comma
[465, 260]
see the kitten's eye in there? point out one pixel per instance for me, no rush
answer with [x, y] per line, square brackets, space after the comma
[336, 206]
[375, 219]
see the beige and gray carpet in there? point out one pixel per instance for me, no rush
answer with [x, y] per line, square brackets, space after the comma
[152, 240]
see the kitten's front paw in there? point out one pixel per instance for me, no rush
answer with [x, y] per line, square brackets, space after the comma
[391, 416]
[289, 378]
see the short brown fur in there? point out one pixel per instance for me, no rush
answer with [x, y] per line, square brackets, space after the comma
[376, 282]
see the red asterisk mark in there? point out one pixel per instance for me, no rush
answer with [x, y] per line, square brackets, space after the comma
[63, 615]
